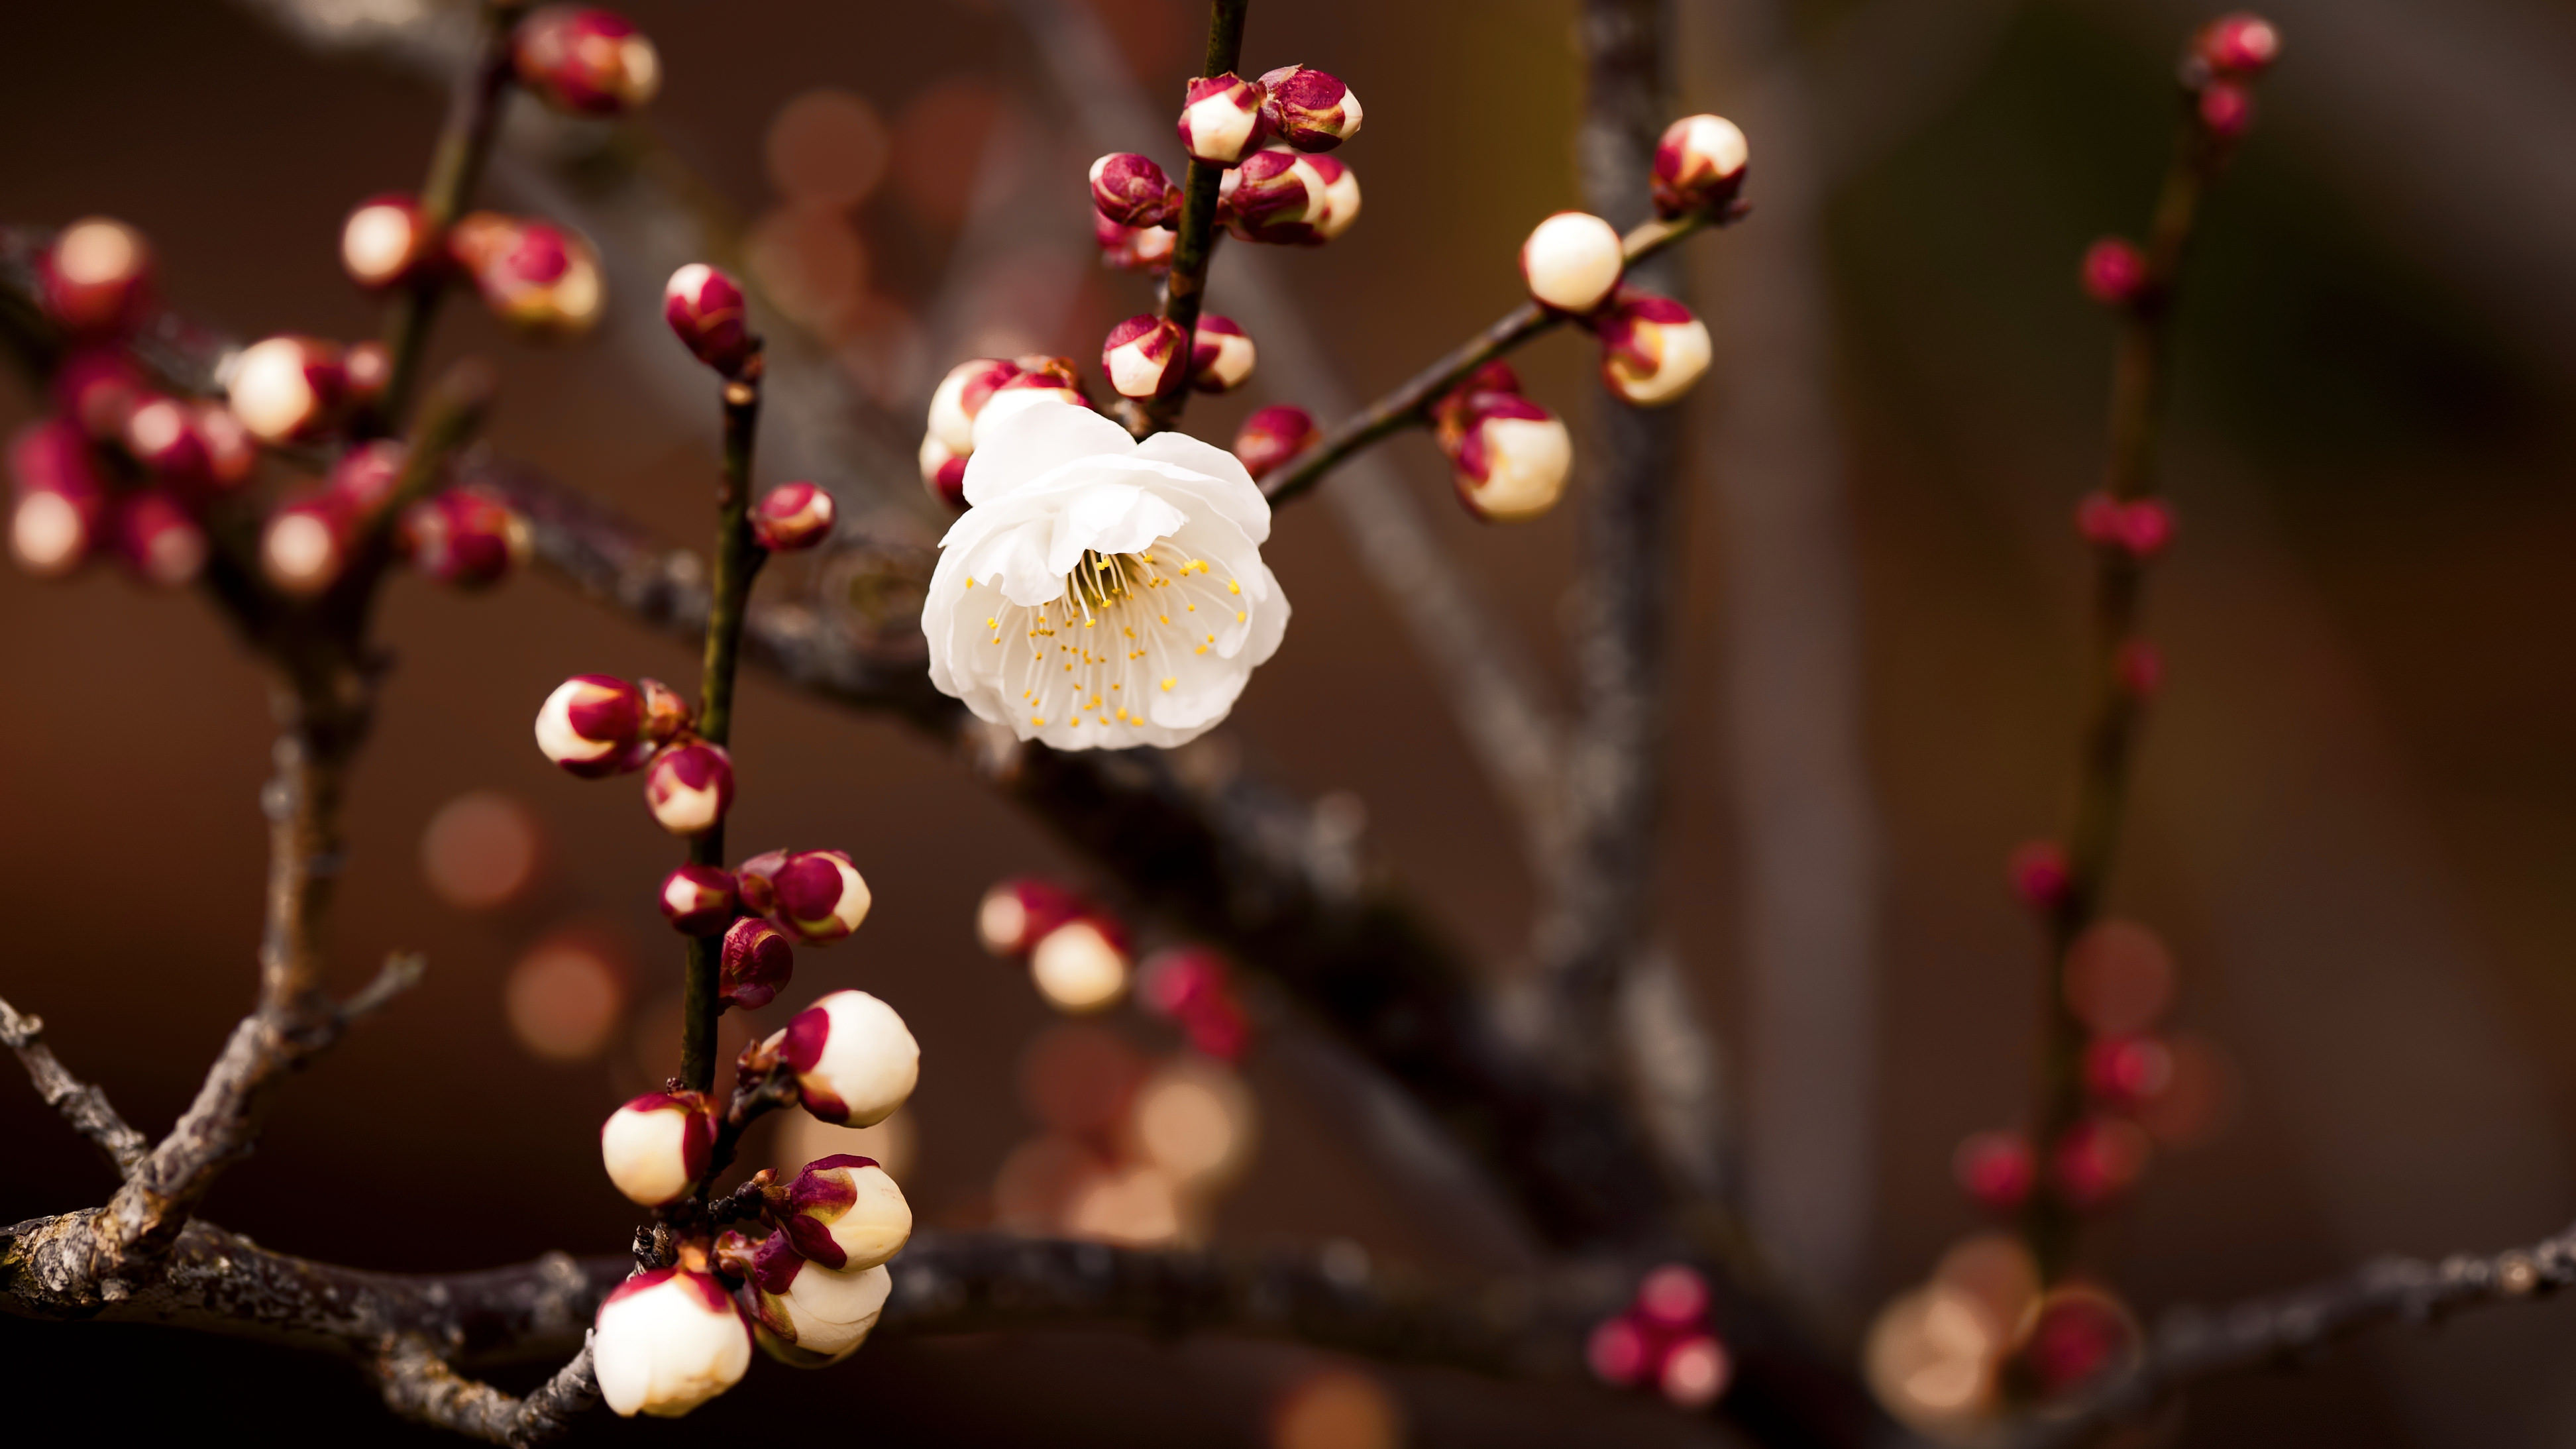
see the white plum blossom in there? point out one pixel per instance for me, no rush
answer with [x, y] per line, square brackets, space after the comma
[668, 1341]
[1100, 592]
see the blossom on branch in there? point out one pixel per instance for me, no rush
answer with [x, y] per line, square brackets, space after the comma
[854, 1059]
[807, 1314]
[668, 1341]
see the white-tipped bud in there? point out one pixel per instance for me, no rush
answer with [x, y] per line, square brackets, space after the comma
[60, 509]
[593, 725]
[792, 516]
[1220, 119]
[1144, 356]
[1017, 914]
[288, 389]
[816, 896]
[1078, 967]
[1222, 356]
[1133, 248]
[809, 1315]
[585, 61]
[1699, 164]
[1272, 436]
[159, 540]
[843, 1212]
[1512, 459]
[1308, 109]
[1341, 196]
[1652, 348]
[854, 1059]
[304, 546]
[656, 1146]
[97, 276]
[961, 397]
[1281, 196]
[689, 787]
[1132, 191]
[1572, 260]
[386, 242]
[706, 311]
[668, 1341]
[943, 472]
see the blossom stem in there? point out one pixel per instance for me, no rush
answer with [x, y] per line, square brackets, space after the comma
[737, 563]
[1410, 405]
[1185, 286]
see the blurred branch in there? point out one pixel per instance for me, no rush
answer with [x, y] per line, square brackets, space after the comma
[85, 1107]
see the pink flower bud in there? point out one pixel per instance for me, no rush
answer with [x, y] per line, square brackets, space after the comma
[853, 1058]
[1620, 1352]
[1015, 914]
[1221, 355]
[1674, 1296]
[386, 242]
[97, 387]
[961, 396]
[2114, 272]
[1699, 165]
[1274, 435]
[656, 1146]
[1995, 1169]
[2097, 1160]
[97, 277]
[698, 900]
[757, 879]
[809, 1315]
[2039, 874]
[465, 537]
[1652, 348]
[533, 275]
[1695, 1372]
[1220, 119]
[2226, 110]
[1512, 459]
[2126, 1072]
[943, 472]
[668, 1341]
[2077, 1337]
[666, 711]
[792, 516]
[1281, 196]
[304, 546]
[817, 896]
[592, 726]
[160, 540]
[288, 389]
[689, 787]
[1341, 196]
[162, 434]
[369, 368]
[706, 309]
[1572, 260]
[1133, 248]
[1040, 381]
[60, 507]
[1081, 965]
[1144, 356]
[586, 62]
[2140, 528]
[1132, 191]
[363, 482]
[231, 453]
[1308, 109]
[2243, 45]
[843, 1212]
[756, 963]
[1189, 988]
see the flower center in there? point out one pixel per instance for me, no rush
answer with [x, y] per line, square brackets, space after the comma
[1126, 626]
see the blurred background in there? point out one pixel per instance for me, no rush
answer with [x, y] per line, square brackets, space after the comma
[2353, 824]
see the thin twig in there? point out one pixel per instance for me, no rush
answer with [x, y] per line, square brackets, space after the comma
[82, 1105]
[418, 1384]
[1185, 285]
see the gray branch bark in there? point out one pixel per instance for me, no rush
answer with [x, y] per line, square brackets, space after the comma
[84, 1106]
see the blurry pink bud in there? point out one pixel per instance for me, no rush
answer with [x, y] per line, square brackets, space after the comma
[1015, 914]
[1619, 1352]
[465, 537]
[2126, 1072]
[943, 472]
[59, 506]
[667, 1341]
[666, 711]
[854, 1059]
[362, 483]
[1995, 1169]
[2226, 110]
[2139, 668]
[1220, 119]
[689, 787]
[1133, 248]
[817, 896]
[304, 546]
[161, 433]
[533, 275]
[2077, 1337]
[1132, 191]
[2039, 874]
[698, 900]
[159, 540]
[2243, 44]
[792, 516]
[843, 1212]
[231, 452]
[1144, 356]
[656, 1146]
[2114, 272]
[1652, 348]
[97, 277]
[755, 964]
[2139, 528]
[1172, 982]
[1695, 1372]
[1699, 165]
[587, 62]
[97, 387]
[961, 396]
[1572, 260]
[1221, 355]
[1512, 459]
[2097, 1160]
[1308, 109]
[807, 1314]
[1674, 1296]
[593, 725]
[288, 389]
[368, 368]
[386, 242]
[1274, 435]
[706, 308]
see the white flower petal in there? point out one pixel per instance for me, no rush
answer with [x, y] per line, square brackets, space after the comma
[1014, 447]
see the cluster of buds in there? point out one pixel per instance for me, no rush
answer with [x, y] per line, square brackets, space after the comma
[1191, 988]
[597, 725]
[585, 62]
[1224, 117]
[1664, 1341]
[1272, 436]
[2219, 68]
[1142, 357]
[1652, 348]
[1075, 951]
[1278, 186]
[1509, 458]
[991, 388]
[1288, 197]
[1699, 165]
[1985, 1337]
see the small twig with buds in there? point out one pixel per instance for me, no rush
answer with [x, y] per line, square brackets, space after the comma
[1410, 405]
[1194, 246]
[84, 1106]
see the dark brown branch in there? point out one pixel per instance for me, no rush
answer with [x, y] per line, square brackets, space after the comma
[1185, 285]
[82, 1105]
[419, 1385]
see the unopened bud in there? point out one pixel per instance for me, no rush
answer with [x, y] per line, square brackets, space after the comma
[231, 453]
[792, 516]
[1015, 914]
[1221, 354]
[1079, 966]
[1995, 1169]
[1189, 988]
[656, 1146]
[1673, 1296]
[755, 965]
[161, 433]
[1512, 459]
[1274, 435]
[706, 308]
[1144, 356]
[807, 1314]
[288, 389]
[593, 726]
[2126, 1072]
[2243, 44]
[960, 398]
[2139, 528]
[1220, 119]
[843, 1212]
[817, 896]
[698, 900]
[584, 61]
[465, 537]
[667, 1341]
[387, 241]
[59, 508]
[2097, 1160]
[368, 367]
[943, 472]
[1695, 1372]
[363, 482]
[533, 275]
[689, 787]
[1619, 1351]
[1132, 191]
[1699, 165]
[854, 1060]
[1572, 260]
[1041, 381]
[2114, 272]
[2226, 110]
[1133, 248]
[97, 387]
[1652, 348]
[304, 546]
[97, 277]
[2039, 875]
[1308, 109]
[666, 711]
[1277, 195]
[160, 540]
[1341, 196]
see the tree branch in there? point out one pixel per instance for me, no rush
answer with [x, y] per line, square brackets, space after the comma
[419, 1385]
[1185, 285]
[82, 1105]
